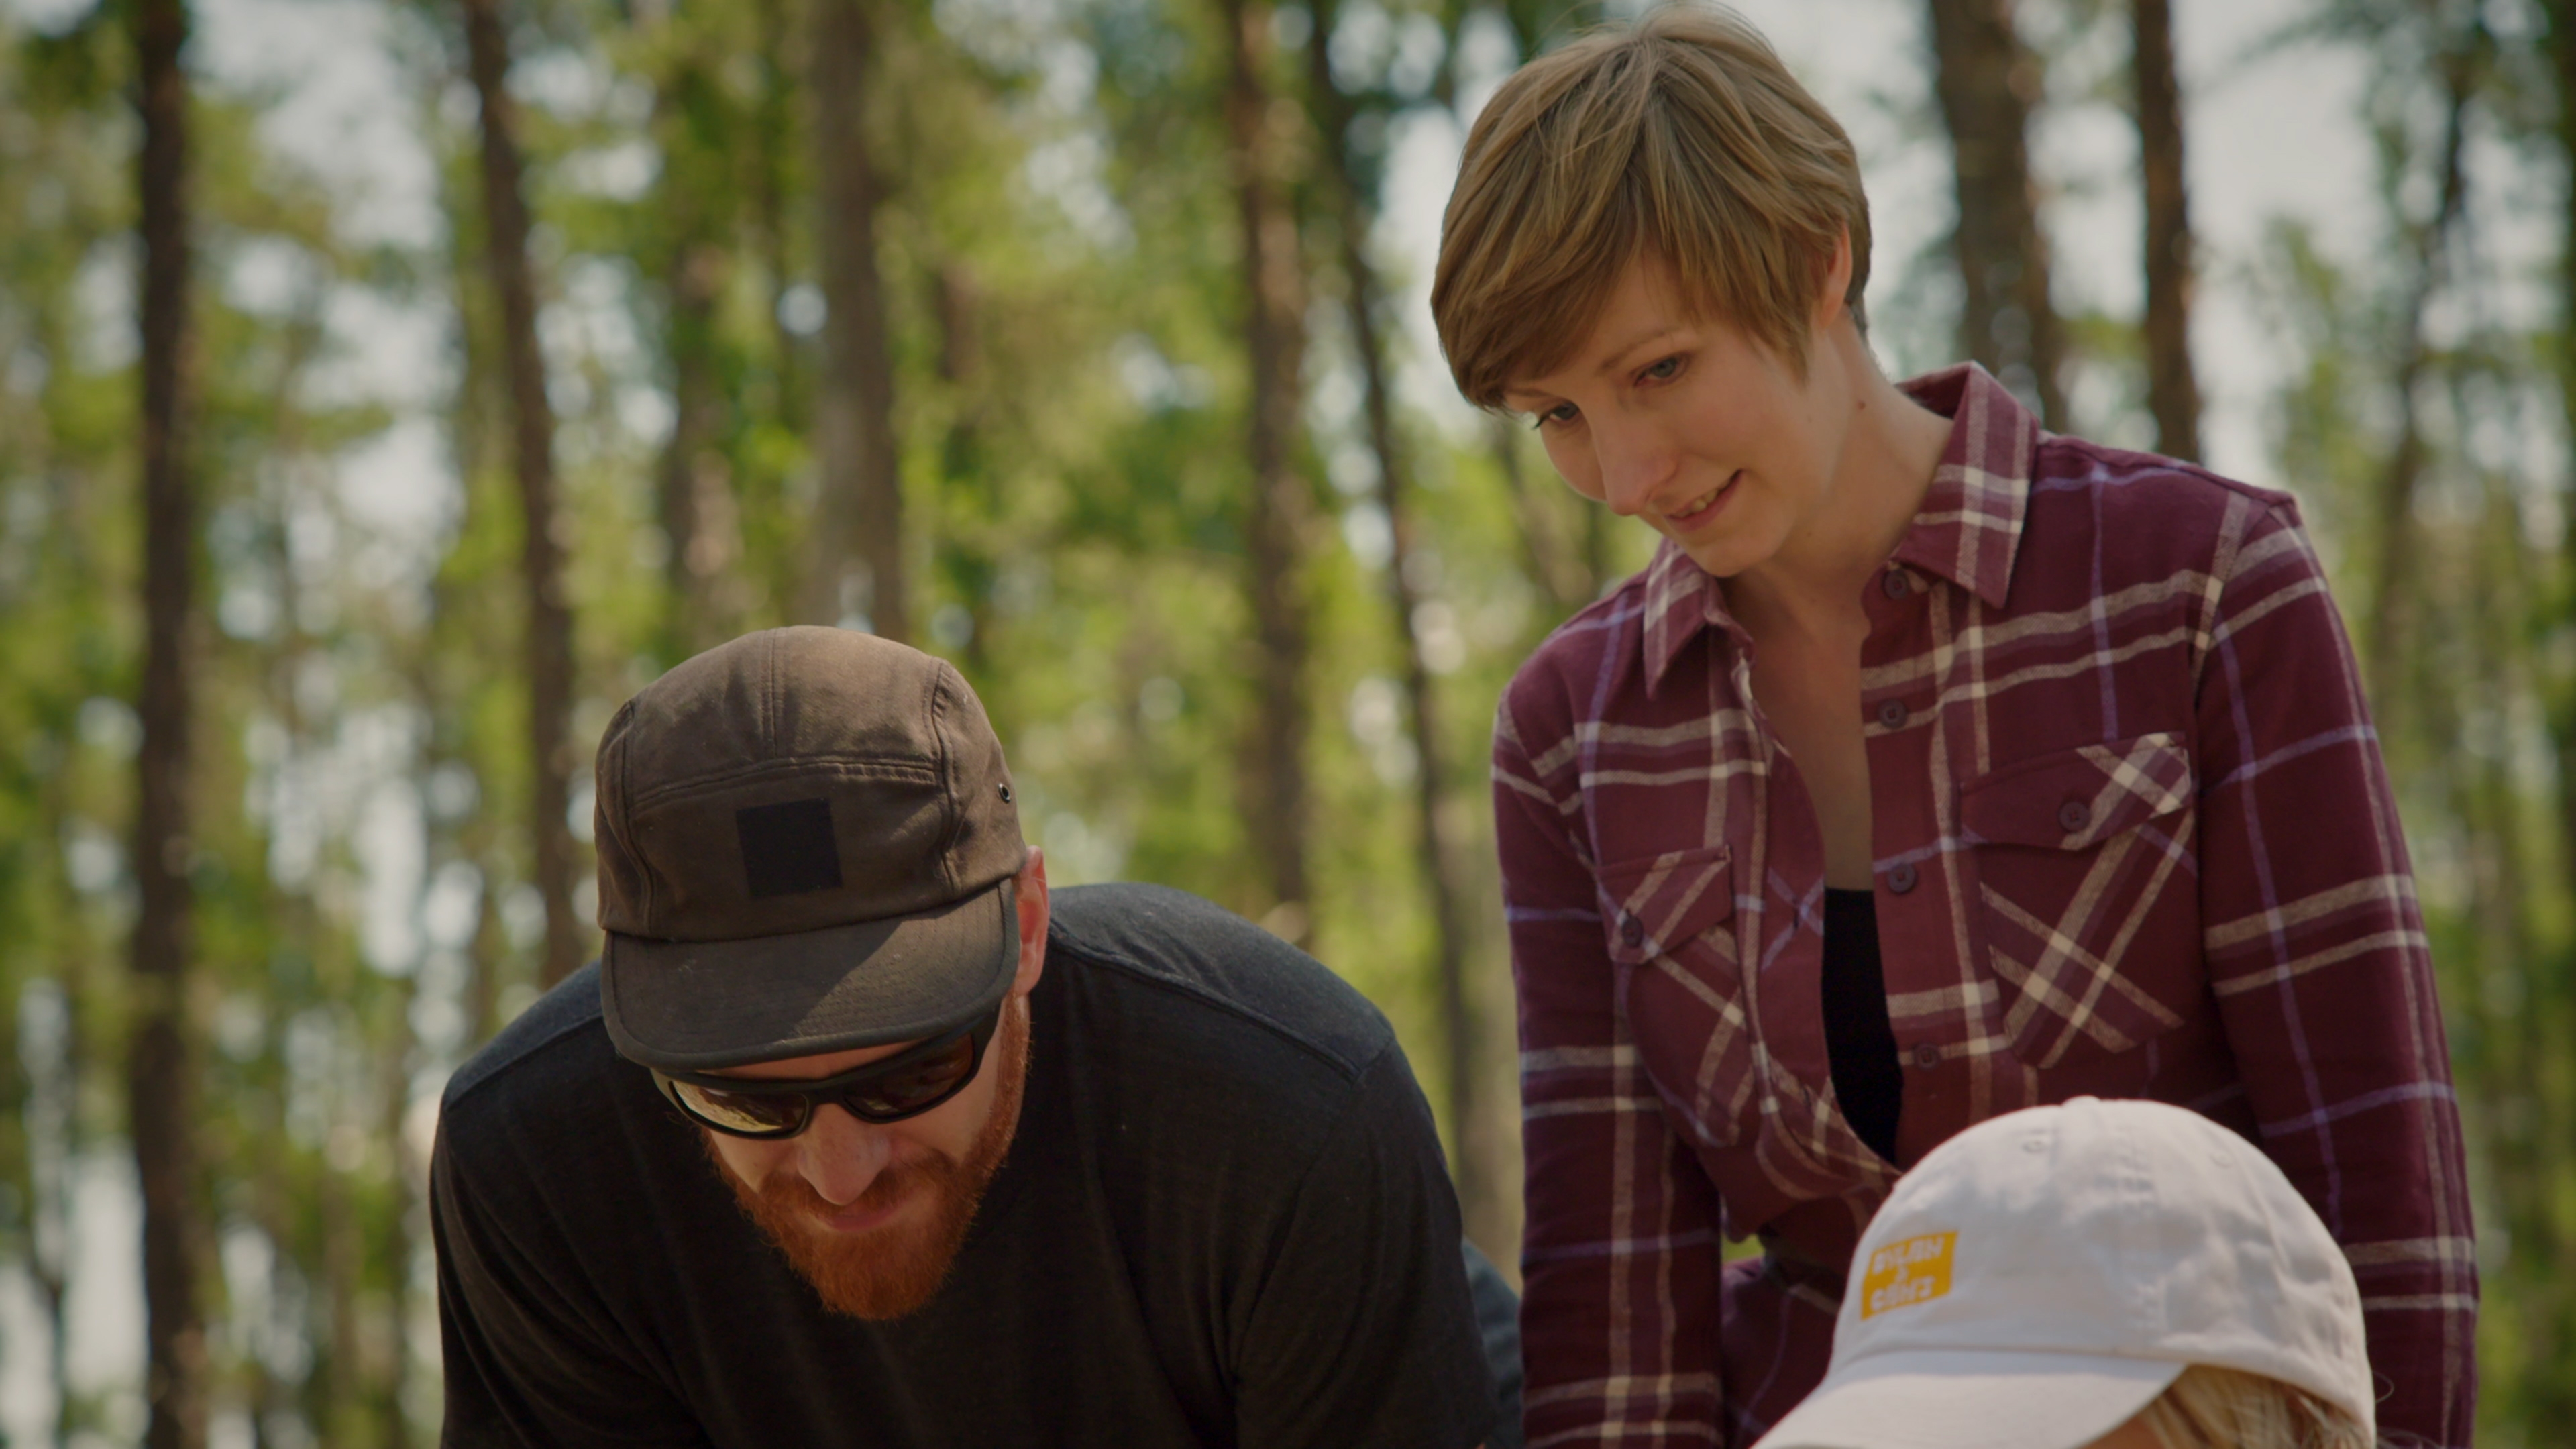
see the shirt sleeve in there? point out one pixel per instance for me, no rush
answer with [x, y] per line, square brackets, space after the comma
[1361, 1328]
[525, 1366]
[2318, 959]
[1619, 1256]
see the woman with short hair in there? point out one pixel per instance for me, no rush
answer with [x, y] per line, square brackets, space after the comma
[1936, 767]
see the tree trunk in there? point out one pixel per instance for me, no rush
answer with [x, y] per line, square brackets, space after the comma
[1279, 519]
[161, 1064]
[1443, 869]
[2562, 51]
[1987, 83]
[548, 659]
[775, 123]
[2173, 393]
[1552, 536]
[2392, 603]
[392, 1247]
[2551, 1392]
[698, 517]
[858, 563]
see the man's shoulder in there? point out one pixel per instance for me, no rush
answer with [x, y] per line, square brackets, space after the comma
[559, 1038]
[1216, 976]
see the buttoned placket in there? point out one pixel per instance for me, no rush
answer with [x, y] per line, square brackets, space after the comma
[1897, 820]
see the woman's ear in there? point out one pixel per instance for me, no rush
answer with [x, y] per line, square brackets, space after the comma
[1833, 284]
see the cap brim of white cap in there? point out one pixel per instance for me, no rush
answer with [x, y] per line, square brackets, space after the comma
[1964, 1399]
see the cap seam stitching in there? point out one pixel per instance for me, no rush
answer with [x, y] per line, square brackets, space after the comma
[946, 775]
[626, 790]
[862, 764]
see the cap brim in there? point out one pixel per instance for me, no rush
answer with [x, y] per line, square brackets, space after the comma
[1965, 1399]
[697, 1005]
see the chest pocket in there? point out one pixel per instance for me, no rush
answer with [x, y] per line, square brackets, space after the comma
[1669, 922]
[2088, 895]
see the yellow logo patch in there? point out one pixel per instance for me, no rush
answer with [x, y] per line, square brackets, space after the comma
[1910, 1270]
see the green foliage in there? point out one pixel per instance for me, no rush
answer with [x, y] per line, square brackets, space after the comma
[1060, 259]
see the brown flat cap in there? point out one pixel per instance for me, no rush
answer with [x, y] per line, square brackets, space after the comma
[806, 842]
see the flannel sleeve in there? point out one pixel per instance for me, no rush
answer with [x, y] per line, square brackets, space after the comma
[1620, 1308]
[2317, 955]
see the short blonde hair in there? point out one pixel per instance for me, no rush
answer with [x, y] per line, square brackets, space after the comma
[1681, 137]
[2219, 1408]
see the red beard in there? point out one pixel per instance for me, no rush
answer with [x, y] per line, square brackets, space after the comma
[891, 1270]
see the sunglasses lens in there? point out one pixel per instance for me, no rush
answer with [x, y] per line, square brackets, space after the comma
[741, 1112]
[916, 1088]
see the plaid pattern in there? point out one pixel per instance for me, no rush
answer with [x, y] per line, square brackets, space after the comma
[2132, 838]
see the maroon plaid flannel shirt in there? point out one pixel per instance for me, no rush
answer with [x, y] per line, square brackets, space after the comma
[2132, 838]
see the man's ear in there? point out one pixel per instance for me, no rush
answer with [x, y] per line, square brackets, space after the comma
[1030, 889]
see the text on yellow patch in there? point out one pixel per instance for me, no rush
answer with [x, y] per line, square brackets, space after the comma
[1909, 1270]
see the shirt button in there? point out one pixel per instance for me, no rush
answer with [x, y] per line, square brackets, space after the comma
[1900, 877]
[1891, 713]
[1632, 930]
[1894, 584]
[1927, 1056]
[2073, 816]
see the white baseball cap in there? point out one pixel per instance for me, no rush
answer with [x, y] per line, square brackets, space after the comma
[2040, 1278]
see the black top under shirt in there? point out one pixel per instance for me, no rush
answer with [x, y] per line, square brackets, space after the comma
[1858, 1039]
[1224, 1220]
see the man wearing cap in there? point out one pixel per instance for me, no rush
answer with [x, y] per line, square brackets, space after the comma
[857, 1136]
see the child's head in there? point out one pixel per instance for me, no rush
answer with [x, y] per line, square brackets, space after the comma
[2216, 1408]
[1682, 138]
[2096, 1275]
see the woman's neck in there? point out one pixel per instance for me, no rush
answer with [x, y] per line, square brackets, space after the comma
[1889, 448]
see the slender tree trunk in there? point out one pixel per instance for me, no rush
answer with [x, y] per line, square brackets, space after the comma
[2392, 601]
[1987, 82]
[696, 496]
[161, 1062]
[2173, 393]
[548, 659]
[2562, 54]
[1552, 536]
[1440, 856]
[1279, 519]
[775, 122]
[397, 1215]
[968, 558]
[2514, 1061]
[858, 535]
[2551, 1392]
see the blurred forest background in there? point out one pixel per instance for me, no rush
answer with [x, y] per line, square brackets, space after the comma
[347, 485]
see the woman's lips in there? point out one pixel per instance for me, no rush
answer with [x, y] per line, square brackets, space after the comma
[1703, 508]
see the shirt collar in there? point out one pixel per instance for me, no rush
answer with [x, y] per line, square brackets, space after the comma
[1967, 530]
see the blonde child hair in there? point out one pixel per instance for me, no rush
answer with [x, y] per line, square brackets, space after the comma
[2221, 1408]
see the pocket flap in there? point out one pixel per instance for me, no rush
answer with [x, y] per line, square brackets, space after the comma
[2076, 798]
[1650, 906]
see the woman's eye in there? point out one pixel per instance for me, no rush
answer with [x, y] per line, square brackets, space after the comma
[1663, 371]
[1560, 414]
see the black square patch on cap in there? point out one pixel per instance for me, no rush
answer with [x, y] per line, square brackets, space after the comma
[787, 848]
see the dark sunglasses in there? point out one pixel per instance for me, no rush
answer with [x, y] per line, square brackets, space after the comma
[907, 1084]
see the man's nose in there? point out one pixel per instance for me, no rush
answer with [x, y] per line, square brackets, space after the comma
[838, 1155]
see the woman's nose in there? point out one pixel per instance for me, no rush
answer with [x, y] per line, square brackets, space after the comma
[1634, 462]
